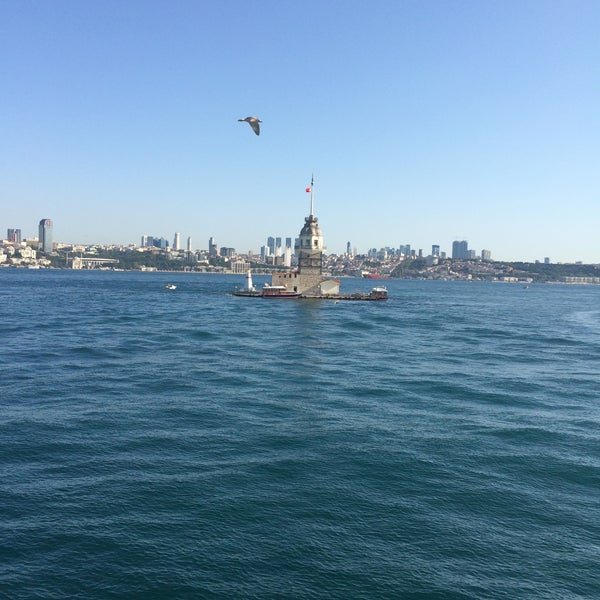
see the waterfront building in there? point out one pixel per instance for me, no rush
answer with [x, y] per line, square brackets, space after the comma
[240, 266]
[45, 235]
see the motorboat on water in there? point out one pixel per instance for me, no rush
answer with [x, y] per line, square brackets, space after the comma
[379, 293]
[278, 291]
[171, 286]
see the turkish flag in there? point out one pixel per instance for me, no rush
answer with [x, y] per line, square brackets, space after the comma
[308, 189]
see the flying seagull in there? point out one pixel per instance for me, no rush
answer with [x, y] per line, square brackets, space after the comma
[254, 123]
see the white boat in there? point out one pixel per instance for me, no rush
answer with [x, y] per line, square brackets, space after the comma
[379, 293]
[171, 286]
[278, 291]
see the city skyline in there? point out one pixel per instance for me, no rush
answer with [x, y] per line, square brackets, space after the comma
[422, 122]
[275, 246]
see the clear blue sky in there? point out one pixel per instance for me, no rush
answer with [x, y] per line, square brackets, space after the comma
[423, 122]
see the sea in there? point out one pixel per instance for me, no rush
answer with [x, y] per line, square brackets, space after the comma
[189, 444]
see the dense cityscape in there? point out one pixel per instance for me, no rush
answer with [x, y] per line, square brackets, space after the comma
[278, 253]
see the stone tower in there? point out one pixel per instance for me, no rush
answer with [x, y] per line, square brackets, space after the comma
[309, 247]
[308, 280]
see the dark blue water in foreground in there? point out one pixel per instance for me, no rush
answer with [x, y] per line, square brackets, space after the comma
[191, 444]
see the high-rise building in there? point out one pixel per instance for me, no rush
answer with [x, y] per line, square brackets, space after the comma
[177, 241]
[212, 247]
[288, 242]
[13, 236]
[435, 250]
[271, 245]
[348, 249]
[405, 250]
[486, 255]
[189, 244]
[460, 250]
[45, 235]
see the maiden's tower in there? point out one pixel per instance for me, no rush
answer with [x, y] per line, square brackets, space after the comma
[308, 280]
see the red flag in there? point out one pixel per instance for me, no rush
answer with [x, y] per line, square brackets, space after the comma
[308, 189]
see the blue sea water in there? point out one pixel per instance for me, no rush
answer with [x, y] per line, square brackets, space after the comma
[193, 444]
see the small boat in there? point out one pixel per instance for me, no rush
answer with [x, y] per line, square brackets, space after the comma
[379, 293]
[171, 286]
[278, 291]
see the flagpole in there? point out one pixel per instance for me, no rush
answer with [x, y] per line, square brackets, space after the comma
[312, 187]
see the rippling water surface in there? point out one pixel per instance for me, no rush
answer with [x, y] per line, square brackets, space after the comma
[193, 444]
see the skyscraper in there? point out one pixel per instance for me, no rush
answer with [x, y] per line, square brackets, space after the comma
[189, 244]
[177, 241]
[45, 235]
[212, 247]
[13, 235]
[435, 250]
[460, 250]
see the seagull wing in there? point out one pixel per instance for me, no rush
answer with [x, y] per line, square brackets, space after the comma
[254, 123]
